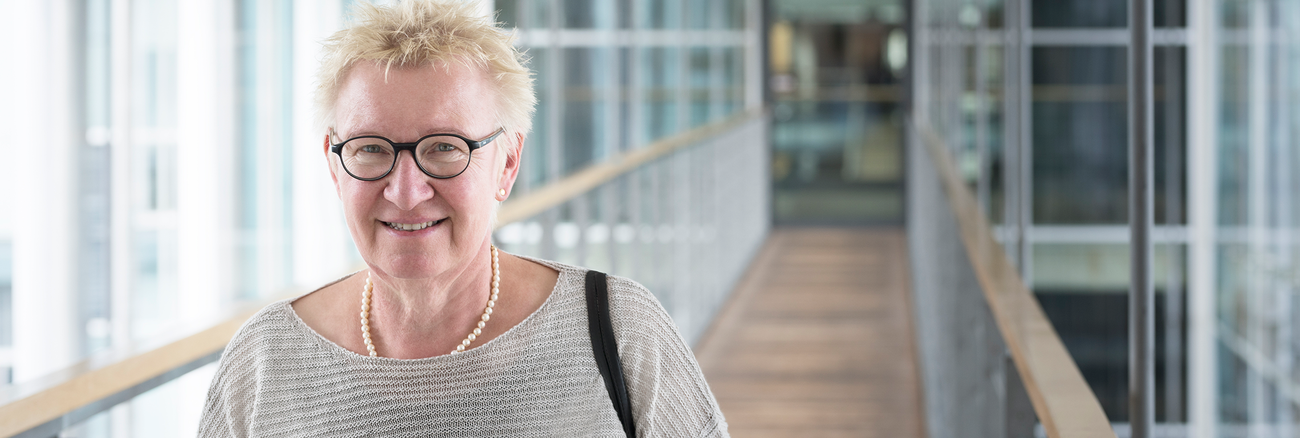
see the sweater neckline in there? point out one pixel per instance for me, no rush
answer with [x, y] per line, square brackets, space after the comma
[565, 272]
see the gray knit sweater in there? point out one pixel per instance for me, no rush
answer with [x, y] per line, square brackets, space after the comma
[278, 377]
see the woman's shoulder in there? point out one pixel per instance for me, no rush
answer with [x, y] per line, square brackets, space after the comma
[264, 334]
[234, 383]
[625, 293]
[669, 394]
[272, 321]
[633, 308]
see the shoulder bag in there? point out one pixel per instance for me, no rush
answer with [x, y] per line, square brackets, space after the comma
[604, 347]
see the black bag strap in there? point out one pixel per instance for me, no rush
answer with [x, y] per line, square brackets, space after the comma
[605, 348]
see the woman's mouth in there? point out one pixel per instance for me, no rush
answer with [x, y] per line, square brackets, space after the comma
[412, 227]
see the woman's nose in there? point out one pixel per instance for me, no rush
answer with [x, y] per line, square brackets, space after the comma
[408, 186]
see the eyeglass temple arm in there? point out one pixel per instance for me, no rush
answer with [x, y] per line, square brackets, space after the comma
[481, 143]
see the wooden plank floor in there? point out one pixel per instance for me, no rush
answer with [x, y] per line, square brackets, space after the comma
[817, 339]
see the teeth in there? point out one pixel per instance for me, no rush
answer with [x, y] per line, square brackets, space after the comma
[410, 227]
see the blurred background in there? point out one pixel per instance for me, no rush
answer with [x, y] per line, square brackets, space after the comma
[164, 170]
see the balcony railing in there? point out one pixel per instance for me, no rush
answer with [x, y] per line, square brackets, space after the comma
[991, 360]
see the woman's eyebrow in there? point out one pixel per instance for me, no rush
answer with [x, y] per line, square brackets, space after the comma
[423, 133]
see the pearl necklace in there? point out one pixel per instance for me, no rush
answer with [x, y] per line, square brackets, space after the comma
[478, 331]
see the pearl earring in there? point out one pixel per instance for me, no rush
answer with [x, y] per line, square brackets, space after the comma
[501, 192]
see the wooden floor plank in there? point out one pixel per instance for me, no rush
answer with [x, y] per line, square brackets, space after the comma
[817, 340]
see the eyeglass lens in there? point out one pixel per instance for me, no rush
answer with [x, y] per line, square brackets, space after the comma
[370, 157]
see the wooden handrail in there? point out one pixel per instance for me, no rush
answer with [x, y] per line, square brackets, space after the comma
[126, 373]
[584, 180]
[35, 405]
[1063, 401]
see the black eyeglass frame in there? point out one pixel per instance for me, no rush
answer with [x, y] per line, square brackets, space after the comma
[337, 149]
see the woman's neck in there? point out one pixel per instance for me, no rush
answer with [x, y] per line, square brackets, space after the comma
[411, 318]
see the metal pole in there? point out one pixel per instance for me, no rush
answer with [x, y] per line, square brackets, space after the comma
[1011, 131]
[1141, 169]
[1025, 143]
[1174, 162]
[982, 110]
[1202, 206]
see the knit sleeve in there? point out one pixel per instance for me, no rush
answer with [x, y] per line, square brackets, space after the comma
[227, 410]
[667, 389]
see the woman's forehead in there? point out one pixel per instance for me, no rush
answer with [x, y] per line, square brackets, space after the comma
[414, 100]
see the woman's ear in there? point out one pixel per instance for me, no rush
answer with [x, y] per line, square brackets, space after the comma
[510, 170]
[329, 163]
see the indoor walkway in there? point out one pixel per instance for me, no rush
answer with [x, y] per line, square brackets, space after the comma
[817, 339]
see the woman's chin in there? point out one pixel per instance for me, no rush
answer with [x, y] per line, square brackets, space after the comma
[408, 266]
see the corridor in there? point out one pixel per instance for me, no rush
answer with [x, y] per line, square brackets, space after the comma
[817, 339]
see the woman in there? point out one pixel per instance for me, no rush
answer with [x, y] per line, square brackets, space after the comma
[443, 334]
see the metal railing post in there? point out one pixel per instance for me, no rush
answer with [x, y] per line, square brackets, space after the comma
[1019, 414]
[1141, 170]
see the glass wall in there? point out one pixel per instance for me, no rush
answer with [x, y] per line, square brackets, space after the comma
[836, 71]
[1254, 265]
[618, 76]
[1039, 122]
[615, 76]
[165, 186]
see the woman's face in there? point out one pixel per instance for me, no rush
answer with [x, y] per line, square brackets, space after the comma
[403, 105]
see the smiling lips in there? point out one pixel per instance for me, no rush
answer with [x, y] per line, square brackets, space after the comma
[412, 227]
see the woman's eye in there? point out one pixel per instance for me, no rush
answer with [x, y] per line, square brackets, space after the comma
[443, 147]
[371, 149]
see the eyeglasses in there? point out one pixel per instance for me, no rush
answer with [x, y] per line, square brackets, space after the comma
[442, 156]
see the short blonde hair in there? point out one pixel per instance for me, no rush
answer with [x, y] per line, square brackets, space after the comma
[421, 33]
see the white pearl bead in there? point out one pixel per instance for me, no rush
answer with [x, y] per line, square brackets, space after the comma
[481, 324]
[471, 337]
[478, 331]
[465, 342]
[486, 317]
[487, 311]
[365, 314]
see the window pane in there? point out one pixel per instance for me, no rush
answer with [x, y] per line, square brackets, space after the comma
[537, 167]
[1080, 135]
[1083, 289]
[1103, 13]
[664, 14]
[508, 12]
[700, 78]
[586, 73]
[660, 67]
